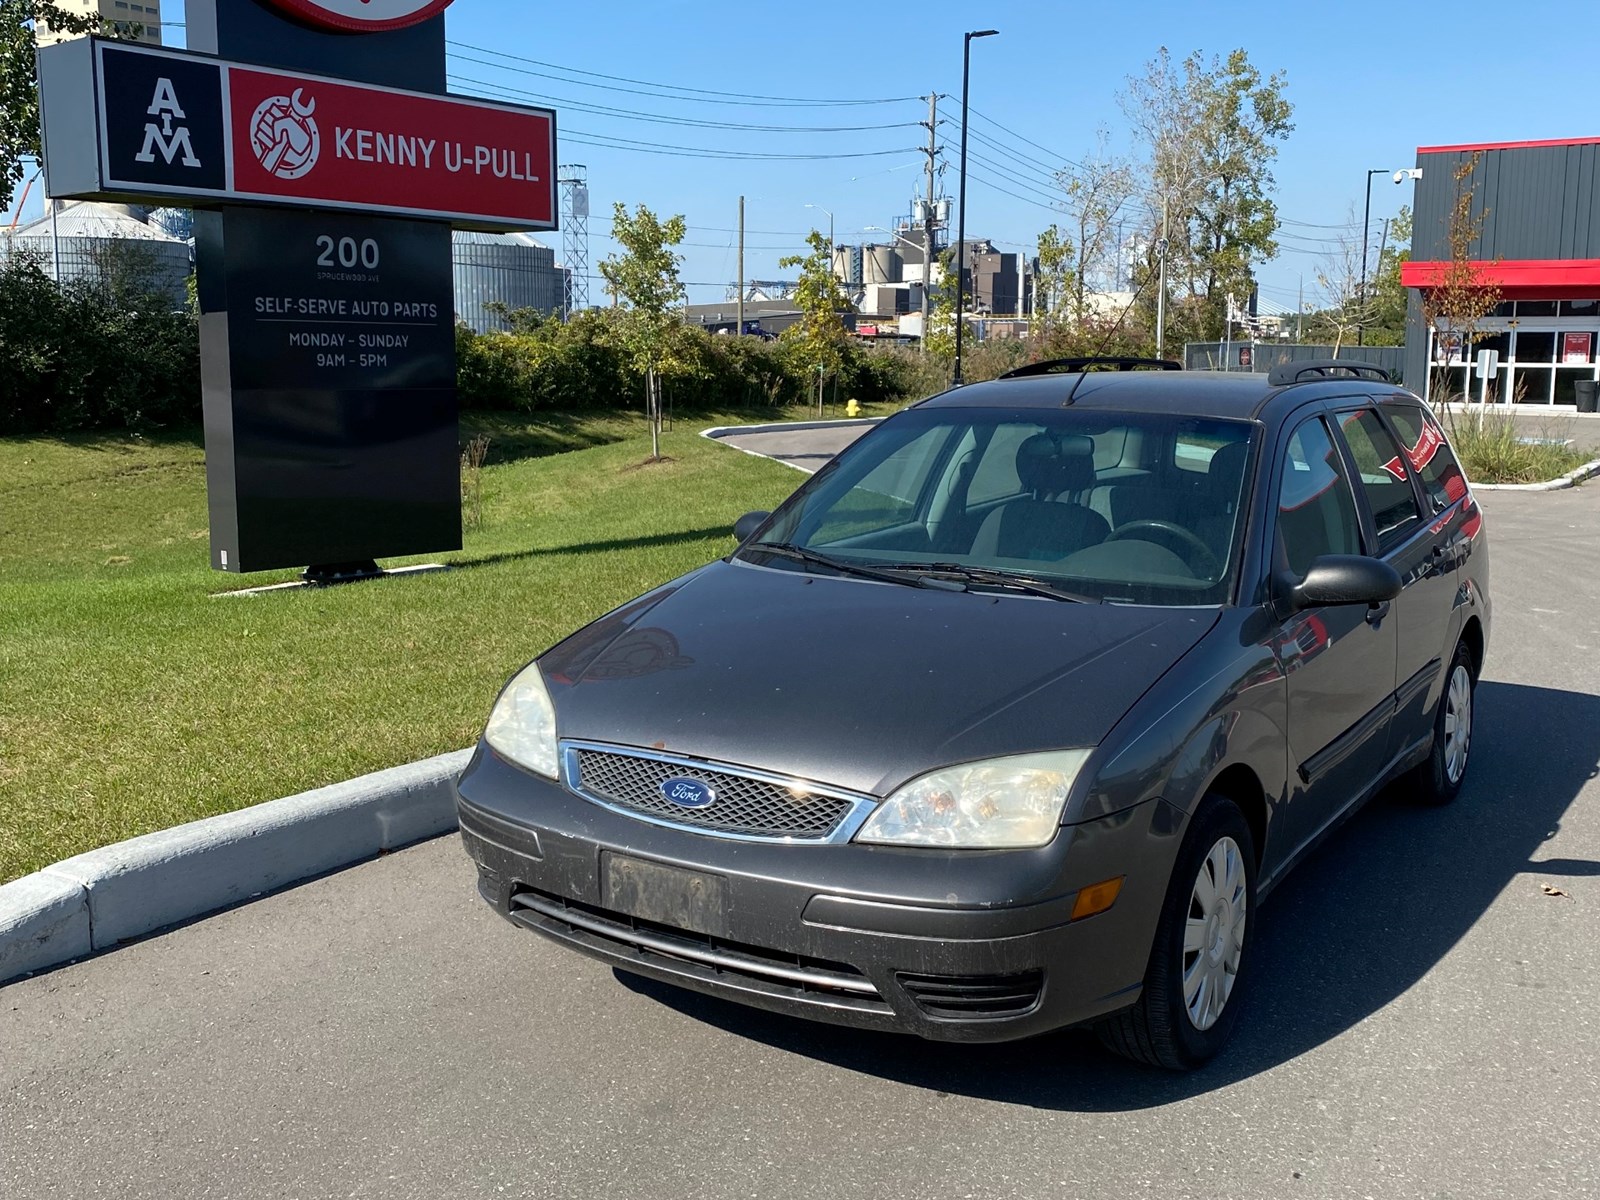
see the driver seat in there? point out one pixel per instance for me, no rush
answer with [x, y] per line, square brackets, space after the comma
[1041, 526]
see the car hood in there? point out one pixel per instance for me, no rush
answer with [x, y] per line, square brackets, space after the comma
[856, 683]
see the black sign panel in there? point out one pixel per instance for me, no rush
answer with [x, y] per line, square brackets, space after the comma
[328, 354]
[164, 121]
[326, 300]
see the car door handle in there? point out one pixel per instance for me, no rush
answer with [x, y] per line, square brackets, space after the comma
[1377, 612]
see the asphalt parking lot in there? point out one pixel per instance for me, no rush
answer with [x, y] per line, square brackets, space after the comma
[1424, 1024]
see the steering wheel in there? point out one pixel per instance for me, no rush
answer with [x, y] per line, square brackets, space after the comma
[1203, 558]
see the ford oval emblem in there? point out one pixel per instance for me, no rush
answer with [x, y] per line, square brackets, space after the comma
[688, 793]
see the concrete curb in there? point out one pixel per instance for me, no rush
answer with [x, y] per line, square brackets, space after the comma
[94, 901]
[1571, 479]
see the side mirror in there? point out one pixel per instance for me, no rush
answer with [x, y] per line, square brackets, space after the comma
[748, 524]
[1345, 579]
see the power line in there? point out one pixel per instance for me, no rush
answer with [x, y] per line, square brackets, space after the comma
[693, 94]
[635, 115]
[586, 138]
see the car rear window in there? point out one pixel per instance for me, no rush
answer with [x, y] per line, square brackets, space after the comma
[1429, 454]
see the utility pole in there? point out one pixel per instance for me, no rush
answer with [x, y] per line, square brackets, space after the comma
[1300, 313]
[927, 219]
[739, 329]
[1161, 294]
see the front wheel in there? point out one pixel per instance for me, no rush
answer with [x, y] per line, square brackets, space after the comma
[1200, 958]
[1439, 778]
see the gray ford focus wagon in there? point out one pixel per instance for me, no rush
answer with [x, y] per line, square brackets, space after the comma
[1010, 716]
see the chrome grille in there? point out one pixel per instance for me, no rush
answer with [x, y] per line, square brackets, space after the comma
[746, 805]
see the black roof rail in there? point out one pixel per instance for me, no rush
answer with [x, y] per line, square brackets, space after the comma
[1055, 366]
[1325, 368]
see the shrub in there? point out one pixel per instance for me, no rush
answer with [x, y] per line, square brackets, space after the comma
[1493, 449]
[92, 354]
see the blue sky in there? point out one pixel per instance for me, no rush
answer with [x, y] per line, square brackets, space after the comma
[1369, 81]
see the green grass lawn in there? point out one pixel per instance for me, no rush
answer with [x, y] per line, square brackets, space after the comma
[133, 698]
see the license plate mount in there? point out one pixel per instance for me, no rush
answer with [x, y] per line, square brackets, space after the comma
[672, 896]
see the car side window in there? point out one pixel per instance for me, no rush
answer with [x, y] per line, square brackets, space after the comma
[1429, 454]
[1316, 510]
[1384, 476]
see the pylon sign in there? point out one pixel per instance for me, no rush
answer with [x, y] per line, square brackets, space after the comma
[363, 16]
[174, 125]
[326, 164]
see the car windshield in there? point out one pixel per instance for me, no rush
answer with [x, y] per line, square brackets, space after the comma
[1135, 508]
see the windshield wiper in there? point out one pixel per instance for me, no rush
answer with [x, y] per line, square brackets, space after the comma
[998, 577]
[790, 550]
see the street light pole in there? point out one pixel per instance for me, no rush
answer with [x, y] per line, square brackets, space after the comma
[819, 208]
[961, 217]
[1366, 228]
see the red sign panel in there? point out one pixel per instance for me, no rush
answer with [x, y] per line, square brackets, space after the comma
[1575, 347]
[305, 138]
[362, 16]
[188, 128]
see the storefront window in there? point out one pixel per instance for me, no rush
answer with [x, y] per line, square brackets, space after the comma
[1580, 308]
[1535, 308]
[1535, 347]
[1532, 385]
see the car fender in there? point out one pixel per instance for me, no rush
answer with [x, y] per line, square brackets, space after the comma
[1179, 739]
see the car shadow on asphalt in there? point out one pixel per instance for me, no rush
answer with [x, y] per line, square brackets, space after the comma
[1349, 931]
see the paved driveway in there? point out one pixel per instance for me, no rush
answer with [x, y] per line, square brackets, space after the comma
[1425, 1024]
[806, 448]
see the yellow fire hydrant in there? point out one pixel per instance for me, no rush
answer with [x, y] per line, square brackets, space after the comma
[852, 409]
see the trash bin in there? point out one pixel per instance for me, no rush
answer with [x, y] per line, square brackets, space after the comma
[1584, 392]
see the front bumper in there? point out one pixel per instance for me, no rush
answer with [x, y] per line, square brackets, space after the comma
[959, 946]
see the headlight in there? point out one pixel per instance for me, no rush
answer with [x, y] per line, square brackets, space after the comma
[523, 724]
[997, 804]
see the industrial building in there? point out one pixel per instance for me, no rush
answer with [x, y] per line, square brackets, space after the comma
[82, 240]
[496, 273]
[1540, 242]
[123, 17]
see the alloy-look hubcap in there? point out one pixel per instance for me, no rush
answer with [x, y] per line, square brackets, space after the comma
[1213, 937]
[1457, 723]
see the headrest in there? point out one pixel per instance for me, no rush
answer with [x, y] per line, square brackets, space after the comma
[1049, 464]
[1227, 468]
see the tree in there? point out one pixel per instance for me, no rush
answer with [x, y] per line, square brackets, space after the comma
[1098, 191]
[1052, 282]
[1339, 287]
[1463, 293]
[645, 278]
[939, 338]
[19, 81]
[1386, 325]
[1210, 131]
[819, 335]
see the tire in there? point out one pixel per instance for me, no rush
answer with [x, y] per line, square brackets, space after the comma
[1438, 780]
[1161, 1029]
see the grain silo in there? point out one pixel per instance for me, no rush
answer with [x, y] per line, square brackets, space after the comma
[511, 269]
[879, 264]
[84, 240]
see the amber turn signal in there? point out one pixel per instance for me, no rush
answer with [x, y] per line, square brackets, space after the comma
[1096, 898]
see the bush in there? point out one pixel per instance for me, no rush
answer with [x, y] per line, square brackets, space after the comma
[581, 364]
[92, 354]
[1493, 449]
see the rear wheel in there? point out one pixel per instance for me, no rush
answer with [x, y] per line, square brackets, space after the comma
[1438, 780]
[1199, 961]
